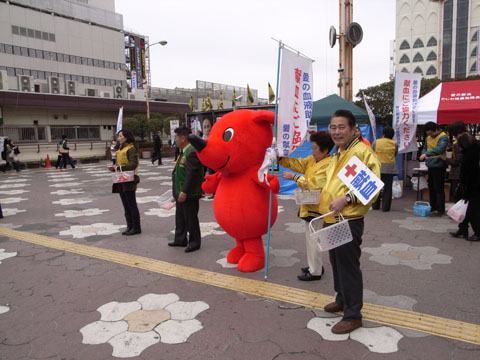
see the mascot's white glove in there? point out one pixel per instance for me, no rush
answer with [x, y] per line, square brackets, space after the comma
[270, 155]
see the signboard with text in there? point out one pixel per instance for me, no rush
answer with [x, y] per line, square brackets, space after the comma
[360, 180]
[295, 101]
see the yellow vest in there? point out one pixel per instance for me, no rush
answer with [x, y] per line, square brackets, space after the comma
[315, 178]
[335, 188]
[432, 143]
[385, 150]
[122, 158]
[453, 148]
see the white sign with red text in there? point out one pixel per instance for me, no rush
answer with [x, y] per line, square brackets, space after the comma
[360, 180]
[407, 93]
[295, 101]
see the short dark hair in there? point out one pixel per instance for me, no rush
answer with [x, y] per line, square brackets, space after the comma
[456, 128]
[127, 134]
[388, 132]
[430, 126]
[465, 140]
[346, 114]
[323, 140]
[64, 137]
[183, 131]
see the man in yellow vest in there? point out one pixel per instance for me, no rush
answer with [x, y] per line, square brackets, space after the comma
[386, 149]
[187, 179]
[335, 197]
[434, 148]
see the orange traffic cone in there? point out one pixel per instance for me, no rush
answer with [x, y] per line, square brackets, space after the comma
[48, 165]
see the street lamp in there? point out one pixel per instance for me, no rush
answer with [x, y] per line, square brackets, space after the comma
[163, 43]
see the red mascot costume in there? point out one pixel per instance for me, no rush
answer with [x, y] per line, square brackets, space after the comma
[236, 149]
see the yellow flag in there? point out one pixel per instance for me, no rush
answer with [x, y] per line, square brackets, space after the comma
[204, 105]
[191, 105]
[249, 96]
[220, 102]
[234, 96]
[271, 94]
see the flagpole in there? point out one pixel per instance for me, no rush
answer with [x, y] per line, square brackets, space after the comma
[274, 143]
[291, 48]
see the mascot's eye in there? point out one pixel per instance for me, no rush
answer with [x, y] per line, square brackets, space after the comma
[228, 134]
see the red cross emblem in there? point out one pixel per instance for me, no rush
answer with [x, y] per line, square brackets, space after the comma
[350, 170]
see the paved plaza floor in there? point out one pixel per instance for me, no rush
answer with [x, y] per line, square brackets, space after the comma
[73, 287]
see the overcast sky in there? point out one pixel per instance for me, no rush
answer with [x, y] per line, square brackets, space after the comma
[229, 42]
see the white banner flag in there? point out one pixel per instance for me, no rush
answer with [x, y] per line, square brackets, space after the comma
[373, 123]
[407, 92]
[120, 119]
[295, 101]
[173, 125]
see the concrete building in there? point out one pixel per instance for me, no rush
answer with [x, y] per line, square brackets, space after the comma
[66, 68]
[437, 38]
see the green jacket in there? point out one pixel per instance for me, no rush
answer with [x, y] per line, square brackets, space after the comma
[188, 174]
[441, 142]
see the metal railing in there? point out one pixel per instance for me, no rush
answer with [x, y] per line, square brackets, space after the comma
[77, 146]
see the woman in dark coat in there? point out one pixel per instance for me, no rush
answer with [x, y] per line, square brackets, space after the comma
[470, 187]
[128, 160]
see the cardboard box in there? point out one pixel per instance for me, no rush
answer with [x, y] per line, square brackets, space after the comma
[426, 194]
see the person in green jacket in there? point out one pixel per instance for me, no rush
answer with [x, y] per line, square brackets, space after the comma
[433, 152]
[187, 179]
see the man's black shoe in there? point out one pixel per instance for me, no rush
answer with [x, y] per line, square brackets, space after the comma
[173, 243]
[305, 270]
[436, 214]
[459, 233]
[190, 249]
[474, 238]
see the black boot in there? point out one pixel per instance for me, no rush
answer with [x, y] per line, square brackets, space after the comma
[136, 229]
[460, 233]
[129, 224]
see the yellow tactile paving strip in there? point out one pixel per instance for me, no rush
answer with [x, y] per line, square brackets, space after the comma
[434, 325]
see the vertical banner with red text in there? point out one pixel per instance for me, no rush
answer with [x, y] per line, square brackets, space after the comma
[295, 101]
[407, 92]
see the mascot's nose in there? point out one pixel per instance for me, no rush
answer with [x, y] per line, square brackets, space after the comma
[197, 142]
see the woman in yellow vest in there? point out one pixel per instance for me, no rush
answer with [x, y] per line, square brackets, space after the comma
[127, 160]
[386, 149]
[315, 176]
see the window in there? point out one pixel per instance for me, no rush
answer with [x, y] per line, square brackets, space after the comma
[72, 59]
[404, 59]
[418, 58]
[418, 44]
[31, 52]
[90, 62]
[34, 74]
[432, 42]
[95, 62]
[44, 35]
[2, 48]
[475, 36]
[431, 70]
[474, 67]
[84, 61]
[78, 60]
[10, 71]
[418, 70]
[8, 49]
[16, 50]
[405, 70]
[60, 57]
[31, 33]
[15, 30]
[18, 72]
[51, 37]
[432, 56]
[26, 72]
[24, 51]
[23, 31]
[474, 52]
[404, 45]
[39, 54]
[38, 34]
[41, 74]
[102, 82]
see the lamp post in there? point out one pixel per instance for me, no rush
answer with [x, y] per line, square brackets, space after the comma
[163, 43]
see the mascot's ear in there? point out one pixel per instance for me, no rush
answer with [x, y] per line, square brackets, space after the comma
[264, 116]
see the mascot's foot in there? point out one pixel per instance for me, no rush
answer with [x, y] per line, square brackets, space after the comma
[251, 262]
[236, 253]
